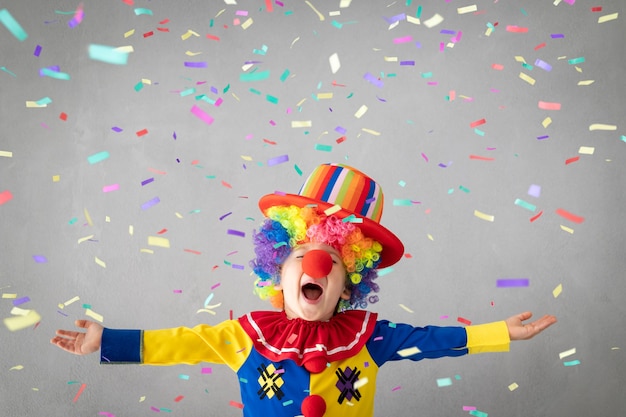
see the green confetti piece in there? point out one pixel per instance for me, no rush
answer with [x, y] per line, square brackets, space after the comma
[55, 74]
[575, 61]
[284, 76]
[402, 183]
[44, 101]
[188, 92]
[288, 402]
[108, 54]
[323, 148]
[254, 76]
[12, 25]
[337, 24]
[572, 363]
[427, 75]
[98, 157]
[255, 91]
[141, 10]
[444, 382]
[478, 413]
[418, 13]
[138, 86]
[73, 220]
[479, 132]
[7, 71]
[298, 170]
[271, 99]
[87, 306]
[226, 88]
[525, 204]
[385, 271]
[400, 202]
[623, 138]
[527, 66]
[465, 190]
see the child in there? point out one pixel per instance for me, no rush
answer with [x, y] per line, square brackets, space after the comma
[317, 253]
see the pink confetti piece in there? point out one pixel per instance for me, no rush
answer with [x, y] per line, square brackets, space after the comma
[516, 29]
[109, 188]
[545, 105]
[403, 39]
[206, 371]
[202, 115]
[106, 414]
[5, 196]
[80, 391]
[569, 216]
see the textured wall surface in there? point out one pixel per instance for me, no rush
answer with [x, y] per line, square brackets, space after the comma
[496, 129]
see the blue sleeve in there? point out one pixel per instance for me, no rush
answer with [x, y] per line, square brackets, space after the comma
[392, 342]
[121, 346]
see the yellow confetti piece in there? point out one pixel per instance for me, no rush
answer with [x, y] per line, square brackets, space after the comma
[56, 178]
[608, 17]
[360, 382]
[7, 295]
[467, 9]
[100, 262]
[87, 217]
[245, 25]
[433, 21]
[6, 154]
[34, 104]
[557, 290]
[68, 302]
[586, 150]
[83, 239]
[131, 229]
[301, 123]
[180, 216]
[430, 237]
[586, 82]
[406, 308]
[89, 312]
[160, 242]
[567, 353]
[22, 322]
[600, 126]
[129, 33]
[143, 250]
[513, 386]
[204, 310]
[413, 20]
[362, 110]
[546, 122]
[567, 229]
[520, 59]
[370, 131]
[484, 216]
[391, 59]
[324, 96]
[17, 368]
[189, 53]
[142, 398]
[332, 210]
[530, 80]
[409, 352]
[246, 158]
[124, 49]
[319, 15]
[107, 219]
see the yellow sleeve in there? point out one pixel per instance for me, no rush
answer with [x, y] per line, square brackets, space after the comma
[489, 337]
[225, 343]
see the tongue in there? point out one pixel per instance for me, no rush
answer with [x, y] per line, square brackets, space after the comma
[311, 292]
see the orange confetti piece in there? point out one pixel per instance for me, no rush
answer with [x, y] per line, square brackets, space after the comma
[481, 158]
[544, 105]
[80, 391]
[227, 185]
[570, 160]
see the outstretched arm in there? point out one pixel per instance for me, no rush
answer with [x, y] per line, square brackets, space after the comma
[80, 343]
[520, 331]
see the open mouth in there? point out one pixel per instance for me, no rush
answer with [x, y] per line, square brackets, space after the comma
[312, 291]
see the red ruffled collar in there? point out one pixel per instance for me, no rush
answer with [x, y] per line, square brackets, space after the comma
[311, 344]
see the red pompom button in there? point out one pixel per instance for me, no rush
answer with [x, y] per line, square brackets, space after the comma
[315, 365]
[317, 263]
[313, 406]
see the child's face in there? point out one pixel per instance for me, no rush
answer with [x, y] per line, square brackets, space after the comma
[309, 298]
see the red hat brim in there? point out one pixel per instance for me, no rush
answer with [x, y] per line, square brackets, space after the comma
[393, 249]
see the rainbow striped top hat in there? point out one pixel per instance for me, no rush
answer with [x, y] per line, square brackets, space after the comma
[344, 191]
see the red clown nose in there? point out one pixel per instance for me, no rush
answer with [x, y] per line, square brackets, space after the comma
[317, 263]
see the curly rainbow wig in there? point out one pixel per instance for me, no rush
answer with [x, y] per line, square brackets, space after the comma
[286, 227]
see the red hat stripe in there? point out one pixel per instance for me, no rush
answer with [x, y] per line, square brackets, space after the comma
[341, 188]
[334, 176]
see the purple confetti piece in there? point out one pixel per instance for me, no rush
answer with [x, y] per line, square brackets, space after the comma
[447, 32]
[148, 181]
[405, 63]
[40, 259]
[542, 137]
[373, 80]
[117, 129]
[543, 65]
[150, 203]
[214, 90]
[37, 50]
[235, 266]
[174, 136]
[54, 68]
[236, 233]
[19, 301]
[512, 282]
[534, 190]
[225, 215]
[277, 160]
[200, 64]
[340, 130]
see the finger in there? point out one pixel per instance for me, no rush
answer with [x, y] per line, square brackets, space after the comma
[67, 333]
[525, 315]
[83, 323]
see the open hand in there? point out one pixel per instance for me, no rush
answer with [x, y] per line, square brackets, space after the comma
[80, 343]
[520, 331]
